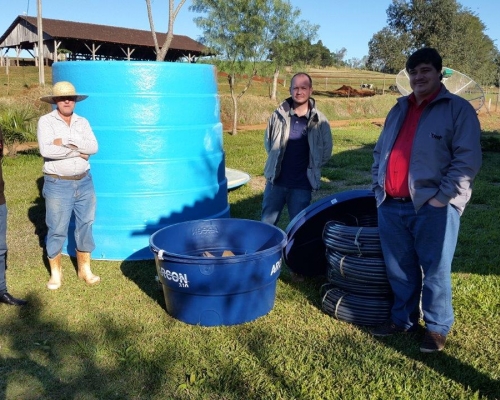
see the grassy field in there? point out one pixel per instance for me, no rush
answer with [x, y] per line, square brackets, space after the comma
[116, 341]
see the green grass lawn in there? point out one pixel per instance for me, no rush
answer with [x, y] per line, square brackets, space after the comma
[116, 341]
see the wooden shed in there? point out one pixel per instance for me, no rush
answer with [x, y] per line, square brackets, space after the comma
[67, 40]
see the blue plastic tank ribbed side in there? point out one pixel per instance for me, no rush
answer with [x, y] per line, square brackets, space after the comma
[160, 158]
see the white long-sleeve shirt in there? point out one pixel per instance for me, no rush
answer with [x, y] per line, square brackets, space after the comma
[63, 160]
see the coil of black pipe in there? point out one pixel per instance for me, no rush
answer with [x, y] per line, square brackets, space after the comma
[367, 220]
[361, 240]
[357, 274]
[355, 308]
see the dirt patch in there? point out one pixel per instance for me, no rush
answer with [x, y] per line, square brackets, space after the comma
[20, 147]
[226, 126]
[334, 124]
[255, 78]
[257, 183]
[489, 121]
[346, 91]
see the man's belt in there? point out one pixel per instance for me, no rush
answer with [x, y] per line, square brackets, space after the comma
[68, 178]
[400, 199]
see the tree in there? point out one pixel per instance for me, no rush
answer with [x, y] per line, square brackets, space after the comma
[424, 21]
[387, 51]
[357, 63]
[456, 32]
[285, 33]
[161, 53]
[239, 32]
[325, 57]
[457, 54]
[338, 57]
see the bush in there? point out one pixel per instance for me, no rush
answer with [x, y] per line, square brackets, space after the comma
[490, 143]
[18, 126]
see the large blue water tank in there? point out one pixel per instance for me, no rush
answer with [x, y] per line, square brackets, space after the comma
[160, 159]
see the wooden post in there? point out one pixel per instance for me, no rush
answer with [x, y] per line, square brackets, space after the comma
[41, 74]
[56, 47]
[498, 92]
[93, 50]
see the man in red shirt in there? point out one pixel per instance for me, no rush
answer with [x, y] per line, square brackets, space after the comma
[424, 164]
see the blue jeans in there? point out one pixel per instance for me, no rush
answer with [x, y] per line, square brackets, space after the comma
[3, 247]
[62, 198]
[418, 250]
[275, 198]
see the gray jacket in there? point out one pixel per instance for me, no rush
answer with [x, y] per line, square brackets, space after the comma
[319, 136]
[446, 151]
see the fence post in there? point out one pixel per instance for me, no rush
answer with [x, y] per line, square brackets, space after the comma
[498, 92]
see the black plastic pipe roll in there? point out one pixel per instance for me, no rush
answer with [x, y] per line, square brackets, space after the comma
[355, 308]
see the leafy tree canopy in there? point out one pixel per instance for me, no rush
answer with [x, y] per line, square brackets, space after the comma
[455, 31]
[251, 34]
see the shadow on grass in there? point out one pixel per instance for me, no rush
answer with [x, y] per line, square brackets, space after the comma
[144, 275]
[36, 214]
[46, 360]
[444, 364]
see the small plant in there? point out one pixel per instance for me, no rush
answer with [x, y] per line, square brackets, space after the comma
[127, 354]
[18, 126]
[193, 380]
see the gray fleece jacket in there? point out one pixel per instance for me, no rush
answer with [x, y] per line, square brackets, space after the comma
[446, 152]
[319, 136]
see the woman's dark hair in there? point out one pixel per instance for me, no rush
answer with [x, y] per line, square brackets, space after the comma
[425, 55]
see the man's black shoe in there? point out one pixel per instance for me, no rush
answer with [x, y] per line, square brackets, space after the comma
[432, 342]
[6, 298]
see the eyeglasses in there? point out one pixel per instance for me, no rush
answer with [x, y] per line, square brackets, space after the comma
[64, 98]
[303, 88]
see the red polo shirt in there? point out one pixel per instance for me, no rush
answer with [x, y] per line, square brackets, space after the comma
[398, 166]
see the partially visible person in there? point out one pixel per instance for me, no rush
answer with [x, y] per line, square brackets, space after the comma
[66, 142]
[425, 161]
[298, 142]
[5, 296]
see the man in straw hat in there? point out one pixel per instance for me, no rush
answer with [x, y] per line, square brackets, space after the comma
[66, 142]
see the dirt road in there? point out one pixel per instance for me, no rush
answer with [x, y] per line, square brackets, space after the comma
[333, 124]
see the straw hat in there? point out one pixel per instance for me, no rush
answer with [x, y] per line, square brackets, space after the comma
[63, 89]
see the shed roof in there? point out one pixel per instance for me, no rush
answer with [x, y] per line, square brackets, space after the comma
[73, 35]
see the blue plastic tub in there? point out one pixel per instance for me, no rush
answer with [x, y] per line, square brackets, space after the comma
[215, 290]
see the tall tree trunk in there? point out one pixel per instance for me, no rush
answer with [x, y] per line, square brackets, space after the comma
[152, 26]
[172, 15]
[234, 98]
[275, 83]
[235, 113]
[166, 45]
